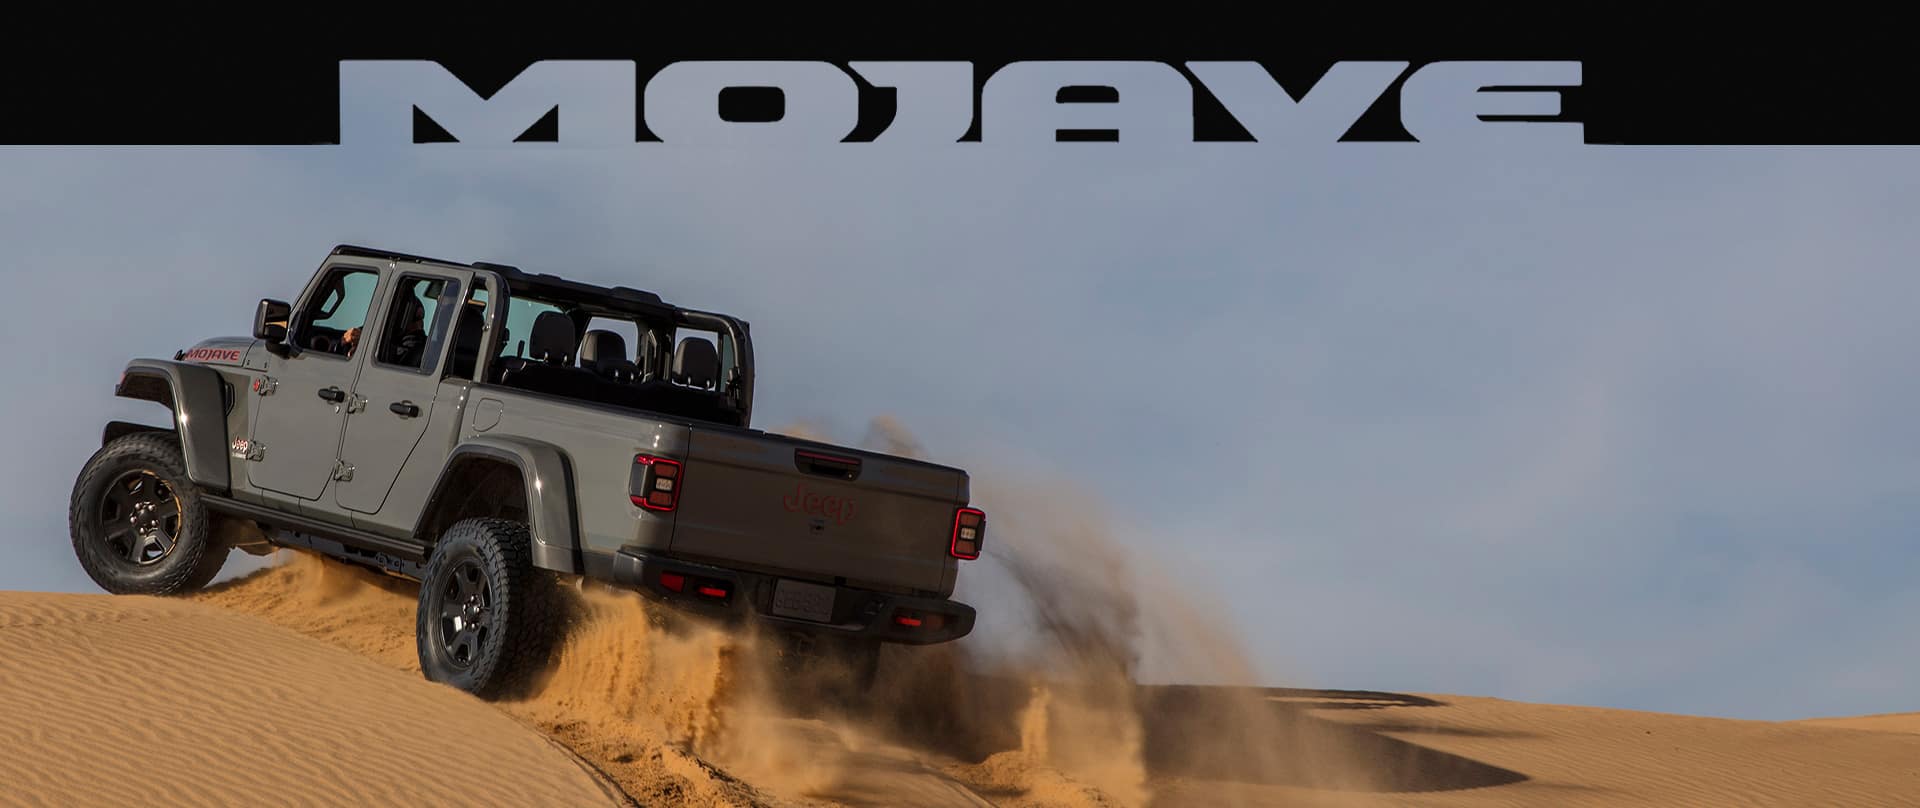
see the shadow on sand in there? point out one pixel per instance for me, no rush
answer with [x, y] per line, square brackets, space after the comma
[1269, 736]
[1242, 736]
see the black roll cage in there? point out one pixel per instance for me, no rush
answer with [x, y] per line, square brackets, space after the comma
[582, 301]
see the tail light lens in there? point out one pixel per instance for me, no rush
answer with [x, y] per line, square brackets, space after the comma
[655, 483]
[929, 621]
[969, 532]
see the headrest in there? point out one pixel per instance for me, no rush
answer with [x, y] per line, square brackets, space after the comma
[602, 345]
[696, 363]
[552, 339]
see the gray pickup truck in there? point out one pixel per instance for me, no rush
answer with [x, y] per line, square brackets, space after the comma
[486, 431]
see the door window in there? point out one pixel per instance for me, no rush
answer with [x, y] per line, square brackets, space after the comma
[417, 322]
[338, 310]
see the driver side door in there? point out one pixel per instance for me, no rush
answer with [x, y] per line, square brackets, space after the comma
[303, 410]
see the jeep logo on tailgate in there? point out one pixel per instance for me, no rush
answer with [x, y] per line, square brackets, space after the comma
[835, 508]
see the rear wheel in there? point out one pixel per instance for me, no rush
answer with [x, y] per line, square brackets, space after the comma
[137, 522]
[488, 619]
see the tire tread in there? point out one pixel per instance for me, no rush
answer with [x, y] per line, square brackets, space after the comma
[525, 601]
[200, 557]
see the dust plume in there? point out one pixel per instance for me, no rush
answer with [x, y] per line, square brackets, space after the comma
[887, 435]
[1066, 621]
[364, 611]
[1042, 705]
[630, 690]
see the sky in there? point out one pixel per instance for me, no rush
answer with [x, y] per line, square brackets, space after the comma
[1610, 426]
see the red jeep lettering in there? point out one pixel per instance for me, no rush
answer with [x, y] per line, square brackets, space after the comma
[835, 508]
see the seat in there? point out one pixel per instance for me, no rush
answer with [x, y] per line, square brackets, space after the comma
[548, 368]
[692, 386]
[605, 353]
[552, 341]
[696, 364]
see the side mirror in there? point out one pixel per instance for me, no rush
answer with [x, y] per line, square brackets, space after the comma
[270, 320]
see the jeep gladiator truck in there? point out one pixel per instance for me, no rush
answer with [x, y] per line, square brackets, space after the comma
[486, 432]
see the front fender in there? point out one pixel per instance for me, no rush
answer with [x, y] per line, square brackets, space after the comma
[197, 397]
[548, 476]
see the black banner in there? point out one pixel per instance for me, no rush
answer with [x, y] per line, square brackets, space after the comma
[124, 80]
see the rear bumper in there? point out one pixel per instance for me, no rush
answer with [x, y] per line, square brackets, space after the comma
[857, 613]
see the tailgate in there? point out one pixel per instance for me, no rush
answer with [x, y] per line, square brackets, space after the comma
[780, 503]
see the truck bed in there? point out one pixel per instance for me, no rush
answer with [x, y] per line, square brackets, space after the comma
[753, 500]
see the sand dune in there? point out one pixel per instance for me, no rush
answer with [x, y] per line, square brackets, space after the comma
[1886, 722]
[1452, 750]
[141, 701]
[676, 718]
[136, 700]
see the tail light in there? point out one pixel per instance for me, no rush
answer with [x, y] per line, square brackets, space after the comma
[927, 621]
[655, 483]
[969, 532]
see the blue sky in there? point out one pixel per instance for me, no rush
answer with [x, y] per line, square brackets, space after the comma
[1592, 425]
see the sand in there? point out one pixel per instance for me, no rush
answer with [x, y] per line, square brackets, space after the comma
[1436, 749]
[1887, 722]
[142, 701]
[297, 685]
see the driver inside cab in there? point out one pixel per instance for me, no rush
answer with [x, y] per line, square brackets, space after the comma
[407, 350]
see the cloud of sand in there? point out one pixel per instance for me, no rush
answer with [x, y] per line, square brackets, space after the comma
[622, 667]
[1076, 620]
[1045, 703]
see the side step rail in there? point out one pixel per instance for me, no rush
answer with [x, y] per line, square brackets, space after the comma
[396, 556]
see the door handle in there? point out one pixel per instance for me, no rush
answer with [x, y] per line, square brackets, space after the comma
[404, 409]
[333, 394]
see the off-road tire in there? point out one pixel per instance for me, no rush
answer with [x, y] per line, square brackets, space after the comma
[522, 610]
[149, 472]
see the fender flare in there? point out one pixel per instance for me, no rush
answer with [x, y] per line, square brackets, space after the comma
[198, 399]
[548, 475]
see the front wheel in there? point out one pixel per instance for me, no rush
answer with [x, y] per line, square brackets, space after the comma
[488, 619]
[137, 522]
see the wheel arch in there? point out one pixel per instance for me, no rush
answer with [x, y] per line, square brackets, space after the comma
[517, 478]
[198, 400]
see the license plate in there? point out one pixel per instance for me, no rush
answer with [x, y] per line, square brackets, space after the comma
[803, 600]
